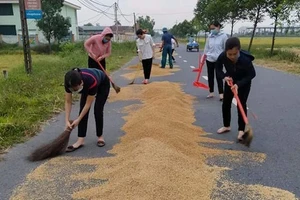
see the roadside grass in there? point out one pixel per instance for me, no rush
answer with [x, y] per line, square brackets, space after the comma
[286, 55]
[27, 101]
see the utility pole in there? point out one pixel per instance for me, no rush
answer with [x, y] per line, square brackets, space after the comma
[134, 19]
[116, 21]
[25, 38]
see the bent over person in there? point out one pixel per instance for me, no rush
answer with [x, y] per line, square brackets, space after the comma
[240, 71]
[93, 85]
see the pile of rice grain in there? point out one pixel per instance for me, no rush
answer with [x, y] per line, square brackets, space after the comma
[155, 71]
[159, 157]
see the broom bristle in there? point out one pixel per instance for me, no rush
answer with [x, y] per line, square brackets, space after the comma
[54, 148]
[248, 136]
[116, 88]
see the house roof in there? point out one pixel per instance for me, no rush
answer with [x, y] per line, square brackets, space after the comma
[91, 28]
[66, 3]
[122, 28]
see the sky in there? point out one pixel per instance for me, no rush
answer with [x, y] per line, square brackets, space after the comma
[165, 12]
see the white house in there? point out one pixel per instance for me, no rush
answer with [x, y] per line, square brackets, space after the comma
[10, 22]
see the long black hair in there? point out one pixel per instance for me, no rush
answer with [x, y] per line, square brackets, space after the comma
[73, 78]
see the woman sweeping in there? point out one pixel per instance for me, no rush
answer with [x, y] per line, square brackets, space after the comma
[93, 85]
[240, 71]
[145, 46]
[214, 46]
[99, 48]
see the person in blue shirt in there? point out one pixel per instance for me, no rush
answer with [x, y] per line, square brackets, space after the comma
[166, 48]
[93, 85]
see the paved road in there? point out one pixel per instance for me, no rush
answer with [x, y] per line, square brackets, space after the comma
[275, 99]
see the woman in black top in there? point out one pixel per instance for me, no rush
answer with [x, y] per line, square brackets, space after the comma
[93, 85]
[239, 70]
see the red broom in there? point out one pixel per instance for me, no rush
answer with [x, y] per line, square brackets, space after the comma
[54, 148]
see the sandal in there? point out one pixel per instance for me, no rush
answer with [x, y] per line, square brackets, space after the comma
[223, 130]
[100, 143]
[72, 148]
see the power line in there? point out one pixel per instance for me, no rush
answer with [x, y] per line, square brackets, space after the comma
[163, 13]
[100, 4]
[123, 14]
[93, 9]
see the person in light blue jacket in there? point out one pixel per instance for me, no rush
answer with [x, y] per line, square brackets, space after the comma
[215, 45]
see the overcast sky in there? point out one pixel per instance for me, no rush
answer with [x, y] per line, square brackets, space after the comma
[164, 12]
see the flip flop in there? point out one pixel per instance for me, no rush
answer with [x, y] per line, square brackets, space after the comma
[100, 143]
[72, 148]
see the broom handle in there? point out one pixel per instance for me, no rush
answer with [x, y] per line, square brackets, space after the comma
[201, 64]
[239, 103]
[104, 70]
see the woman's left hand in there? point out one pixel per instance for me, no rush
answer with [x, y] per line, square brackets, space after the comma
[75, 123]
[100, 58]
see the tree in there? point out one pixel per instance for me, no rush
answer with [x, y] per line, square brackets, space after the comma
[207, 11]
[255, 10]
[146, 23]
[279, 10]
[88, 24]
[52, 23]
[183, 29]
[235, 11]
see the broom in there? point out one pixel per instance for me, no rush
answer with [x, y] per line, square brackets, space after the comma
[54, 148]
[135, 75]
[248, 134]
[116, 88]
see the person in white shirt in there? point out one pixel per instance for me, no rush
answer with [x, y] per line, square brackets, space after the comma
[173, 49]
[146, 52]
[215, 45]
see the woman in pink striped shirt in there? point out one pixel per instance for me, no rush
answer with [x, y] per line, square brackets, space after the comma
[99, 48]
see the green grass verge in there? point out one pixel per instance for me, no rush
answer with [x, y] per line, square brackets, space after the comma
[29, 100]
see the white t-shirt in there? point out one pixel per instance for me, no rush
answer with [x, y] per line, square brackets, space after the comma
[173, 43]
[145, 47]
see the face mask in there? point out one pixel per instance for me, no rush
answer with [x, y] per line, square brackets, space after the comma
[77, 91]
[104, 41]
[214, 32]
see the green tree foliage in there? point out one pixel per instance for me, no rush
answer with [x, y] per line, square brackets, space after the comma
[256, 10]
[183, 29]
[279, 11]
[53, 24]
[146, 23]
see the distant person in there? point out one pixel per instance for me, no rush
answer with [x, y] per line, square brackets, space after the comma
[240, 70]
[146, 52]
[166, 48]
[215, 45]
[173, 49]
[94, 86]
[99, 48]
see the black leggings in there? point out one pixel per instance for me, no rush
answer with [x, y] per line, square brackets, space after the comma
[93, 64]
[211, 68]
[101, 97]
[243, 94]
[172, 54]
[147, 65]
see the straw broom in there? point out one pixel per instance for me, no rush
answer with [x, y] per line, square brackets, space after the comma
[52, 149]
[116, 88]
[248, 134]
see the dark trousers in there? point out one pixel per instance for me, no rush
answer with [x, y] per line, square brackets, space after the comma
[101, 97]
[172, 54]
[93, 64]
[243, 94]
[211, 71]
[147, 65]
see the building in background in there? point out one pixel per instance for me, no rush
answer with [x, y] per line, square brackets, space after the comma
[10, 23]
